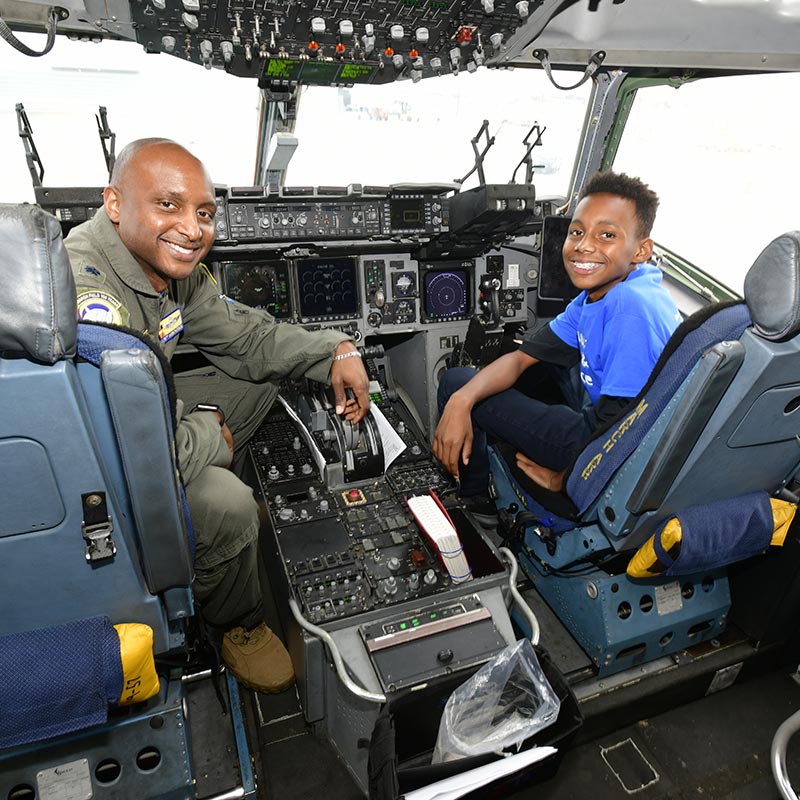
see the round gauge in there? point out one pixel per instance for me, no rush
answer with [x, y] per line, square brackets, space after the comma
[404, 284]
[257, 289]
[404, 311]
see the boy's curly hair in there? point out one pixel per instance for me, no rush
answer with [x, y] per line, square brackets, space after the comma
[622, 185]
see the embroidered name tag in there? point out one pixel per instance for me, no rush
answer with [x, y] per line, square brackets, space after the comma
[170, 326]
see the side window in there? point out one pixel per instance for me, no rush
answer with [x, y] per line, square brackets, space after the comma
[722, 155]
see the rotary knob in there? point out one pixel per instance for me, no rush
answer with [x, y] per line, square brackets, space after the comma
[430, 577]
[393, 563]
[390, 586]
[285, 514]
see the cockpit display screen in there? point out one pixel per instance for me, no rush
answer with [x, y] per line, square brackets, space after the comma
[319, 72]
[356, 73]
[328, 288]
[263, 285]
[446, 294]
[407, 214]
[282, 69]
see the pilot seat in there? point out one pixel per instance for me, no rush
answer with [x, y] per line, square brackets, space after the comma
[711, 441]
[93, 534]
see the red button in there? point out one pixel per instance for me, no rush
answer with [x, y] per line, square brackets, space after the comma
[354, 494]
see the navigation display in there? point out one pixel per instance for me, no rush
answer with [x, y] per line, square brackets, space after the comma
[328, 288]
[446, 294]
[263, 285]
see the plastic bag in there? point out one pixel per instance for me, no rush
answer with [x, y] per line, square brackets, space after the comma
[501, 705]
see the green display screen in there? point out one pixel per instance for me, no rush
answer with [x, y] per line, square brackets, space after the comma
[282, 69]
[319, 71]
[356, 73]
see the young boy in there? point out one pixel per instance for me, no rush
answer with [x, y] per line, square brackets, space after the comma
[616, 329]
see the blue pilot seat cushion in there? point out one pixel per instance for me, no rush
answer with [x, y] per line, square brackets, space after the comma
[58, 680]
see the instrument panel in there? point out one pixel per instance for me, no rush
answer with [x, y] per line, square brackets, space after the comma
[282, 44]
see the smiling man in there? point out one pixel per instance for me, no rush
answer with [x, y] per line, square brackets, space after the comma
[138, 264]
[615, 330]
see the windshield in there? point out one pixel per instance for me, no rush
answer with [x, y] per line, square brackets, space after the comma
[145, 95]
[421, 132]
[722, 155]
[379, 135]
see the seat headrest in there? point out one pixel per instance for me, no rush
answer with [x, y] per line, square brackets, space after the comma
[772, 288]
[38, 316]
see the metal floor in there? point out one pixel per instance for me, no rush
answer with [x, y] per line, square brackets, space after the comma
[715, 748]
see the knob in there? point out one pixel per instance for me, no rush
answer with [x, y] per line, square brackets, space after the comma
[306, 470]
[496, 39]
[265, 451]
[286, 514]
[168, 43]
[422, 35]
[522, 8]
[278, 499]
[227, 51]
[369, 44]
[397, 61]
[401, 427]
[369, 29]
[455, 56]
[393, 563]
[488, 6]
[379, 298]
[206, 49]
[160, 5]
[397, 32]
[296, 443]
[413, 581]
[416, 450]
[390, 585]
[323, 506]
[263, 222]
[436, 63]
[302, 220]
[312, 492]
[303, 513]
[430, 577]
[479, 57]
[318, 25]
[416, 75]
[190, 21]
[290, 469]
[346, 27]
[273, 473]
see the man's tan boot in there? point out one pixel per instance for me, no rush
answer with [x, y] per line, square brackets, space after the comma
[258, 659]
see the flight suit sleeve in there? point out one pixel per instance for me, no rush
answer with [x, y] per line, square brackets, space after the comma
[247, 343]
[199, 442]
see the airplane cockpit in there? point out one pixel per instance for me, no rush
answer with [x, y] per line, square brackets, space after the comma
[403, 173]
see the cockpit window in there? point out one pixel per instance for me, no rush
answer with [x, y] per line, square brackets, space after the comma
[215, 115]
[421, 132]
[722, 155]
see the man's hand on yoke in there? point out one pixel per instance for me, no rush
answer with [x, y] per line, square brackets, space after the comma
[349, 373]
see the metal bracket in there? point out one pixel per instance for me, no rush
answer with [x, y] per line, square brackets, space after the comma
[99, 544]
[97, 527]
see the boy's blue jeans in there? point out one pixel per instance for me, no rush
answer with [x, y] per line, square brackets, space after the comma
[550, 435]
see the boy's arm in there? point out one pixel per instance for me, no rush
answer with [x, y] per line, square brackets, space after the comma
[452, 441]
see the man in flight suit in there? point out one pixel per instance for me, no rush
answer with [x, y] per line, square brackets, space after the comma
[138, 264]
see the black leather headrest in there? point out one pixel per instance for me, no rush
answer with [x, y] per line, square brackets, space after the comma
[772, 288]
[38, 316]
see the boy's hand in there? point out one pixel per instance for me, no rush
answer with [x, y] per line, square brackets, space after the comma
[452, 441]
[543, 476]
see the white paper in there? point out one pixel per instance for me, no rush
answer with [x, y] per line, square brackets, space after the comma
[513, 276]
[459, 785]
[393, 445]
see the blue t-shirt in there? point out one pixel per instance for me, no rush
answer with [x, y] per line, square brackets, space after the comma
[621, 335]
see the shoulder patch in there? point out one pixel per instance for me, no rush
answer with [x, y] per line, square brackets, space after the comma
[101, 307]
[92, 272]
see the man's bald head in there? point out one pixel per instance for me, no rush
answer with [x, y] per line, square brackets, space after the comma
[132, 151]
[161, 202]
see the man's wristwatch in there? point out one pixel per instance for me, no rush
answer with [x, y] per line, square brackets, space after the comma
[210, 407]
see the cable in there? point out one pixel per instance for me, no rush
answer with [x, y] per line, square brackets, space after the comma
[52, 23]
